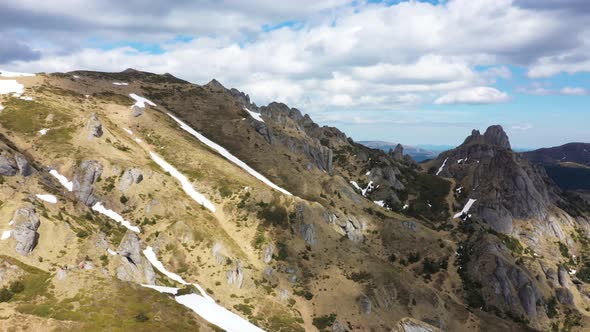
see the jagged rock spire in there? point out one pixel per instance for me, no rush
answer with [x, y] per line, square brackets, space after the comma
[494, 135]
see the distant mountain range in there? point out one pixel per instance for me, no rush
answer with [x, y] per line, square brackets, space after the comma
[568, 165]
[418, 152]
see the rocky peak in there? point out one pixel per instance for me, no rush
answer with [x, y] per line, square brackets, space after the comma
[494, 135]
[398, 153]
[215, 85]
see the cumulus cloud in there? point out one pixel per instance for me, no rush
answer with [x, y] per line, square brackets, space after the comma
[475, 95]
[315, 55]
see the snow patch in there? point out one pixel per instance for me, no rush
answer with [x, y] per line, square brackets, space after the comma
[112, 252]
[405, 206]
[5, 235]
[62, 179]
[11, 86]
[128, 131]
[380, 203]
[459, 189]
[138, 140]
[26, 98]
[222, 151]
[5, 73]
[153, 259]
[140, 101]
[162, 289]
[1, 107]
[364, 191]
[43, 131]
[465, 208]
[572, 272]
[216, 314]
[47, 198]
[442, 166]
[98, 207]
[256, 116]
[368, 173]
[120, 83]
[186, 184]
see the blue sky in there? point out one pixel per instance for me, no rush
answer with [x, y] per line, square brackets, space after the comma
[416, 72]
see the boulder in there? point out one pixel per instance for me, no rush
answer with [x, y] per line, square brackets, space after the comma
[365, 304]
[8, 165]
[84, 178]
[130, 176]
[267, 253]
[24, 167]
[137, 111]
[338, 327]
[24, 230]
[134, 267]
[235, 276]
[94, 126]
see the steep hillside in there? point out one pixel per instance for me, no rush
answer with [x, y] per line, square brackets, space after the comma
[526, 245]
[140, 201]
[568, 165]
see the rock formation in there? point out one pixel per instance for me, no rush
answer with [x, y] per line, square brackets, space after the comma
[24, 230]
[84, 178]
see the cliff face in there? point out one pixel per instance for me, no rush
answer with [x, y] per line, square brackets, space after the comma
[505, 185]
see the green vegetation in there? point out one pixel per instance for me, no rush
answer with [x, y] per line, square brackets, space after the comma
[511, 243]
[431, 197]
[472, 288]
[28, 117]
[273, 214]
[324, 323]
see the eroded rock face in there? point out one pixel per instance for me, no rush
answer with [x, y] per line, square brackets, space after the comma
[84, 178]
[8, 165]
[306, 230]
[94, 126]
[267, 253]
[235, 276]
[365, 304]
[24, 167]
[134, 267]
[505, 185]
[130, 176]
[25, 223]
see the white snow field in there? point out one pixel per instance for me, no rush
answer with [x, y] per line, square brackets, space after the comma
[5, 235]
[47, 198]
[442, 166]
[222, 151]
[153, 259]
[62, 179]
[203, 304]
[120, 83]
[43, 131]
[466, 208]
[140, 101]
[256, 116]
[186, 184]
[11, 86]
[5, 73]
[216, 314]
[98, 207]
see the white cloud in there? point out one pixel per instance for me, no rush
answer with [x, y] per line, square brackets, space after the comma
[476, 95]
[573, 91]
[366, 56]
[522, 127]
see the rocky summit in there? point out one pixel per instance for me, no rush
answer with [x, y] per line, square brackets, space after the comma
[137, 201]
